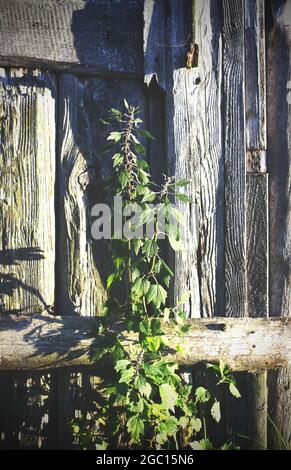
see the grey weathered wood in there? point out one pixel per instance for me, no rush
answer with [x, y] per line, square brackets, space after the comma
[257, 409]
[27, 181]
[279, 160]
[181, 158]
[45, 341]
[84, 263]
[233, 117]
[154, 45]
[207, 159]
[257, 245]
[255, 86]
[95, 36]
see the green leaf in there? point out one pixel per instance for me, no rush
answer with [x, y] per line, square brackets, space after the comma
[123, 179]
[183, 197]
[196, 424]
[145, 134]
[182, 182]
[143, 386]
[115, 136]
[168, 396]
[137, 244]
[202, 395]
[177, 245]
[135, 428]
[117, 159]
[234, 390]
[148, 197]
[157, 295]
[215, 411]
[122, 364]
[152, 343]
[126, 375]
[150, 248]
[116, 113]
[139, 148]
[126, 104]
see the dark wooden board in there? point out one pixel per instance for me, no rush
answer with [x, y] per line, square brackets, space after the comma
[100, 36]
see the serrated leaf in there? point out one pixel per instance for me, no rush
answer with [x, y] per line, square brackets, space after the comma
[182, 182]
[168, 396]
[157, 295]
[196, 424]
[202, 395]
[234, 390]
[117, 159]
[183, 197]
[115, 136]
[126, 104]
[135, 427]
[122, 364]
[215, 411]
[145, 134]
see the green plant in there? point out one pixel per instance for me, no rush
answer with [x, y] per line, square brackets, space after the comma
[143, 400]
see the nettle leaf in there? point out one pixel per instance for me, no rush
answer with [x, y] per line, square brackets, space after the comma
[149, 197]
[117, 159]
[234, 390]
[215, 411]
[177, 245]
[152, 343]
[143, 386]
[157, 295]
[202, 395]
[183, 197]
[168, 396]
[122, 364]
[150, 248]
[115, 136]
[116, 113]
[140, 286]
[123, 179]
[137, 244]
[139, 148]
[126, 104]
[145, 134]
[196, 424]
[135, 427]
[182, 182]
[127, 375]
[142, 164]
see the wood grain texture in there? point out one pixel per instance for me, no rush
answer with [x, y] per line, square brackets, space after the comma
[27, 182]
[207, 136]
[279, 163]
[45, 341]
[182, 160]
[84, 263]
[96, 35]
[255, 86]
[257, 410]
[233, 117]
[257, 245]
[154, 45]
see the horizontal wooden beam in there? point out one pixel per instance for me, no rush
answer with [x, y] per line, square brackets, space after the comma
[44, 341]
[76, 35]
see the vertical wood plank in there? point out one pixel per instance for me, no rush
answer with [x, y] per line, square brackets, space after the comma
[84, 263]
[27, 180]
[183, 161]
[257, 403]
[255, 85]
[233, 59]
[207, 135]
[278, 19]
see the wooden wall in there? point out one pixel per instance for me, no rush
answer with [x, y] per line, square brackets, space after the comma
[223, 124]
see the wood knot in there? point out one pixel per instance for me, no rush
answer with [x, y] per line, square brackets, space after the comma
[86, 177]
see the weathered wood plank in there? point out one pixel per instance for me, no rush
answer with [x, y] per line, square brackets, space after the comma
[255, 86]
[279, 161]
[257, 245]
[27, 180]
[84, 263]
[154, 45]
[233, 117]
[257, 412]
[96, 35]
[183, 162]
[45, 341]
[206, 135]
